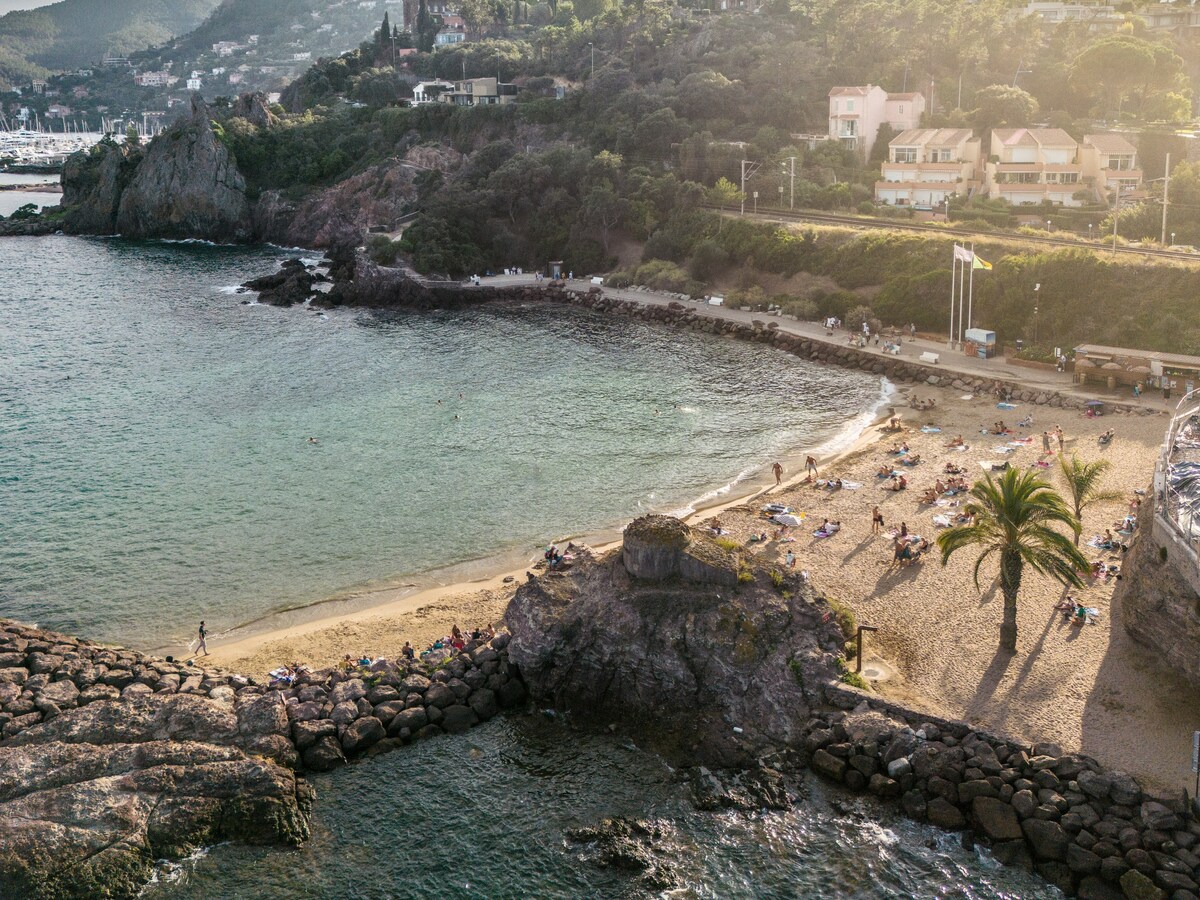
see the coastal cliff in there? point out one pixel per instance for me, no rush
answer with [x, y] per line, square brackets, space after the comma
[183, 184]
[717, 656]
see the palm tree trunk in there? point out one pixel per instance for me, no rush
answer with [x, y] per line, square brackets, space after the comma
[1010, 582]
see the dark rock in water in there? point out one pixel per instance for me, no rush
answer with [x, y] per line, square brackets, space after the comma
[293, 283]
[748, 790]
[716, 655]
[93, 182]
[636, 846]
[325, 754]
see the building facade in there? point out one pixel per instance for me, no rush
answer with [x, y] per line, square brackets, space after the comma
[856, 113]
[926, 165]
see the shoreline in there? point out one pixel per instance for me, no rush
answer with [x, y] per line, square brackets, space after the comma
[498, 574]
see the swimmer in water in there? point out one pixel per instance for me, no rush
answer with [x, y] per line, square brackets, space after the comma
[456, 418]
[312, 440]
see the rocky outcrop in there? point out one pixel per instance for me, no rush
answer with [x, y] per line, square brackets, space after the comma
[186, 186]
[253, 107]
[93, 182]
[293, 283]
[378, 198]
[111, 760]
[705, 650]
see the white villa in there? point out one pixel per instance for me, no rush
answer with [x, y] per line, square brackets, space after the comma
[855, 114]
[925, 165]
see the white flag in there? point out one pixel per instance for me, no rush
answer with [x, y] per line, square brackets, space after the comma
[962, 254]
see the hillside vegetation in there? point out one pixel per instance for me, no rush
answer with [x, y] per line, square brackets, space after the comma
[76, 33]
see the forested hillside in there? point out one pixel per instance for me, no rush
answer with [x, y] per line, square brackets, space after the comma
[75, 33]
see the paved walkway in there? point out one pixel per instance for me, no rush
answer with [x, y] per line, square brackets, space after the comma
[949, 360]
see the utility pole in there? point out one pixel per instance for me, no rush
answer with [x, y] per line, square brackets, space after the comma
[754, 167]
[792, 196]
[1116, 216]
[1166, 194]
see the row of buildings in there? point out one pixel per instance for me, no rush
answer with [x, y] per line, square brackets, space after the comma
[1025, 166]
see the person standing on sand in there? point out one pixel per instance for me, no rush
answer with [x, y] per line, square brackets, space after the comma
[791, 560]
[876, 520]
[778, 470]
[1046, 443]
[1058, 433]
[202, 643]
[810, 466]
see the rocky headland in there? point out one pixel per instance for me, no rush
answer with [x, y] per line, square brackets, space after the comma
[111, 760]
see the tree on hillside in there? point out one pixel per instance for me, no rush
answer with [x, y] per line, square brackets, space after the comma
[1122, 67]
[725, 193]
[385, 32]
[1015, 517]
[1083, 484]
[427, 27]
[1000, 105]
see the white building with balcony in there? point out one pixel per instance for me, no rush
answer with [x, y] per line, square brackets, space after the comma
[1029, 166]
[855, 114]
[926, 165]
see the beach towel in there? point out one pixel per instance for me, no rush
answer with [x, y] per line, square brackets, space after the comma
[967, 397]
[988, 465]
[1098, 543]
[821, 534]
[961, 448]
[941, 521]
[1004, 448]
[928, 429]
[1003, 405]
[851, 485]
[1020, 442]
[773, 508]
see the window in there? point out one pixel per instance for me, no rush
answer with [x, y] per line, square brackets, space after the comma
[905, 154]
[901, 109]
[849, 106]
[1123, 163]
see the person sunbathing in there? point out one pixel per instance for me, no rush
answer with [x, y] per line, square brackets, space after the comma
[952, 469]
[912, 459]
[930, 496]
[884, 472]
[957, 442]
[1107, 437]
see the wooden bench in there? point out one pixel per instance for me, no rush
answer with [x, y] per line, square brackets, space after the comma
[931, 358]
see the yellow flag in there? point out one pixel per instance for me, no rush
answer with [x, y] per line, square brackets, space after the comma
[981, 263]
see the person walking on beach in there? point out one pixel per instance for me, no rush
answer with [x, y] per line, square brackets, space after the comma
[202, 642]
[1058, 433]
[778, 470]
[810, 466]
[1046, 443]
[876, 520]
[791, 560]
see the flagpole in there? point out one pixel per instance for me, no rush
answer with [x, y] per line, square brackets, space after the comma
[953, 275]
[971, 294]
[962, 284]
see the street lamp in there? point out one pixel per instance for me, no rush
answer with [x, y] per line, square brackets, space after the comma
[1037, 287]
[1089, 231]
[1047, 224]
[1172, 238]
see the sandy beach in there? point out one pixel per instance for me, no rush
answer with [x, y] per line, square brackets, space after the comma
[1090, 688]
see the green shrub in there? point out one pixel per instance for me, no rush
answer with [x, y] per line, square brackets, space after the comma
[777, 580]
[728, 544]
[845, 618]
[850, 677]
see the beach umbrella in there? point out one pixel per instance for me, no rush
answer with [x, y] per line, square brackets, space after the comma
[788, 519]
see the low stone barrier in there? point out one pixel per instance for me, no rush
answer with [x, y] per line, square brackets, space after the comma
[1092, 832]
[330, 715]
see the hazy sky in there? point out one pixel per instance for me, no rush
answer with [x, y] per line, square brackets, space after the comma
[7, 6]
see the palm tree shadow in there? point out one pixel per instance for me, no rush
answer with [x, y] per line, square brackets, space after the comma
[989, 595]
[989, 682]
[1034, 653]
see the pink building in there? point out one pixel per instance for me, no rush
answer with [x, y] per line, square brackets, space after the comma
[855, 114]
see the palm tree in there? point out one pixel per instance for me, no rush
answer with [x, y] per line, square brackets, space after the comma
[1014, 516]
[1083, 484]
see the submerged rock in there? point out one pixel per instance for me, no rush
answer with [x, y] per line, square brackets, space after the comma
[637, 846]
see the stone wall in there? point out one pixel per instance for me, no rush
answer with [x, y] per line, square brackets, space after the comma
[1160, 606]
[1092, 832]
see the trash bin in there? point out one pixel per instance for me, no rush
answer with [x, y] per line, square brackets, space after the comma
[1020, 346]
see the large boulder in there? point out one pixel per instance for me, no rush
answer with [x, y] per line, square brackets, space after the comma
[93, 182]
[103, 790]
[655, 636]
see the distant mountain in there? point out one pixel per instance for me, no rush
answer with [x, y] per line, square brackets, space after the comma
[75, 33]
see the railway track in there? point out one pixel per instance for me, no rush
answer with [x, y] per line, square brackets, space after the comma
[785, 216]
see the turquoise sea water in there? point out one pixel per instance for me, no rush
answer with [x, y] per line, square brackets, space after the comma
[155, 469]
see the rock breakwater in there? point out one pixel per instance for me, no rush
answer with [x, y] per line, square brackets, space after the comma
[1092, 832]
